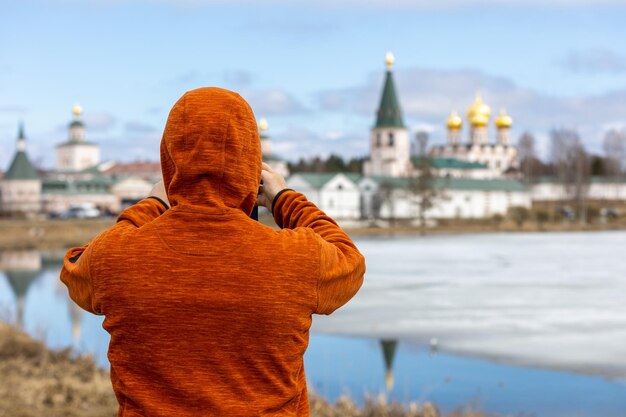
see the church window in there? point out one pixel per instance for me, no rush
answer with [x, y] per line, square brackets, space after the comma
[378, 140]
[390, 138]
[340, 187]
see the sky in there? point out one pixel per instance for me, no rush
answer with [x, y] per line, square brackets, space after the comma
[313, 69]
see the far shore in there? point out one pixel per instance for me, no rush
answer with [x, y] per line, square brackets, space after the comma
[20, 234]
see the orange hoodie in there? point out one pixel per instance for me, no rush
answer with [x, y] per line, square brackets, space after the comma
[208, 310]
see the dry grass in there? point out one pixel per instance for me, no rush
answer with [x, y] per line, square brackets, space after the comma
[36, 381]
[49, 234]
[18, 234]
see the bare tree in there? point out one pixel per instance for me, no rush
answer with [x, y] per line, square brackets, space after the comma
[614, 152]
[572, 166]
[528, 157]
[385, 196]
[615, 156]
[422, 183]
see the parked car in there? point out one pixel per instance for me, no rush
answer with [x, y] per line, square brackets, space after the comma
[566, 212]
[80, 211]
[609, 213]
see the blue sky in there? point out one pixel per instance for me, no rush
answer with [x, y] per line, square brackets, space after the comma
[313, 69]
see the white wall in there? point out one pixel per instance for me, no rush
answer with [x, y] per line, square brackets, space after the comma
[78, 156]
[340, 198]
[21, 196]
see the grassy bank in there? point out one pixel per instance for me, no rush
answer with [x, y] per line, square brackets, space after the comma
[49, 234]
[62, 234]
[39, 382]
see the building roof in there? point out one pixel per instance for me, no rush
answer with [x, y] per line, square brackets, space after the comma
[319, 179]
[389, 112]
[21, 168]
[467, 184]
[70, 143]
[133, 168]
[594, 180]
[441, 162]
[98, 185]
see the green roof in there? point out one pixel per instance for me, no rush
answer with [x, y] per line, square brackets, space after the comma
[98, 185]
[319, 179]
[21, 280]
[389, 112]
[439, 162]
[21, 168]
[472, 184]
[468, 184]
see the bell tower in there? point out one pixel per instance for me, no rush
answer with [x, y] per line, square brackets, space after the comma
[390, 147]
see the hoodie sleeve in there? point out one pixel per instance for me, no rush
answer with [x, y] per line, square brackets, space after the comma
[143, 212]
[342, 266]
[76, 273]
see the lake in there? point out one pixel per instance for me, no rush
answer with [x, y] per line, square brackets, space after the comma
[521, 324]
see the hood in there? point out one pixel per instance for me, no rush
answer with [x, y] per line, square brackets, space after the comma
[211, 152]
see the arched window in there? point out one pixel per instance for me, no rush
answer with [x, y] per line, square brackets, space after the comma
[390, 136]
[378, 140]
[340, 186]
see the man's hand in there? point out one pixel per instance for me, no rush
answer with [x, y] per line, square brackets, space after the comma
[273, 183]
[159, 191]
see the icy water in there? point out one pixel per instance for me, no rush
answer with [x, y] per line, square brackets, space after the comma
[520, 324]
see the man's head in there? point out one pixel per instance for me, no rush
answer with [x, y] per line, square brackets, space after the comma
[211, 152]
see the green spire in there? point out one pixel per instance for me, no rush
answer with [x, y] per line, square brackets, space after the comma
[389, 112]
[20, 133]
[21, 168]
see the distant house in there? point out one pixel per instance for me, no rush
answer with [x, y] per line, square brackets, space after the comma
[547, 189]
[394, 198]
[336, 194]
[20, 188]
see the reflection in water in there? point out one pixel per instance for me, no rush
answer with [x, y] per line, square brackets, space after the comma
[389, 353]
[334, 365]
[76, 314]
[22, 269]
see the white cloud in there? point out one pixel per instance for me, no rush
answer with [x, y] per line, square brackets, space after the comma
[240, 78]
[272, 102]
[296, 142]
[594, 61]
[333, 135]
[134, 127]
[98, 122]
[12, 109]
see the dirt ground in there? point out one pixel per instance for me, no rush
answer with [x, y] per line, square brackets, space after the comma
[38, 382]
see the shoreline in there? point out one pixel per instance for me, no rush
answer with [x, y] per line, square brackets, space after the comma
[20, 234]
[39, 381]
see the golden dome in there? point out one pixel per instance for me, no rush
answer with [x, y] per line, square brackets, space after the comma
[479, 113]
[454, 121]
[77, 110]
[263, 125]
[504, 120]
[389, 60]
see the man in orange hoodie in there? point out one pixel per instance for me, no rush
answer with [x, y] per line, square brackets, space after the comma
[208, 310]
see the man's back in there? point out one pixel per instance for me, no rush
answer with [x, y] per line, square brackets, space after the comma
[208, 310]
